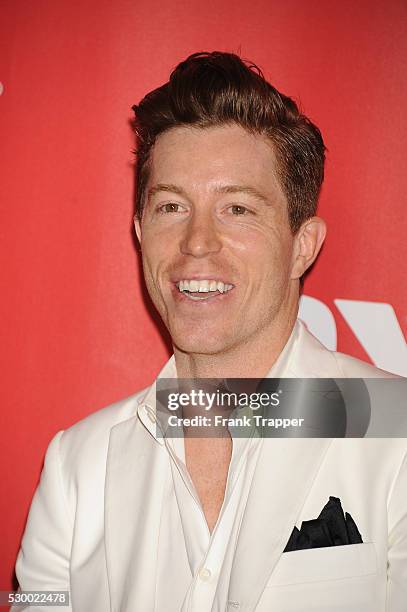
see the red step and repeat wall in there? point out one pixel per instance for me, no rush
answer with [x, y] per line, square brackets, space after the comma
[77, 327]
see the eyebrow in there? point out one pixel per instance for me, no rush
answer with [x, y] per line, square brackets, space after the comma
[165, 187]
[246, 189]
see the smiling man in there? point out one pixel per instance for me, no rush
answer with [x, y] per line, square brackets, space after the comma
[220, 260]
[229, 173]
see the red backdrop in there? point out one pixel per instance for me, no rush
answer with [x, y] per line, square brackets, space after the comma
[77, 332]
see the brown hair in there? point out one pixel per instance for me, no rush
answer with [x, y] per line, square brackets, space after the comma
[209, 89]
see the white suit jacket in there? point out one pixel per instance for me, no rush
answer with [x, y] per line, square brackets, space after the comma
[95, 515]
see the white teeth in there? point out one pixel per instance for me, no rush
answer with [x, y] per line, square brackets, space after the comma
[203, 286]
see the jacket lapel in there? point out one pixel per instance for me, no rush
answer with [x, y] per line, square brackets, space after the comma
[136, 470]
[284, 475]
[285, 472]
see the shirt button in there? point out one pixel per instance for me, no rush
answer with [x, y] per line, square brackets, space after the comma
[205, 574]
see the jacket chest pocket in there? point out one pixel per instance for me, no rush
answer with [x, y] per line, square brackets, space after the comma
[328, 563]
[340, 578]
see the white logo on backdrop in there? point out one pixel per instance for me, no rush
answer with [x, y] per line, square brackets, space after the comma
[374, 324]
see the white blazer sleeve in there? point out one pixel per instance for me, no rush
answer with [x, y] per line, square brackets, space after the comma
[397, 553]
[43, 559]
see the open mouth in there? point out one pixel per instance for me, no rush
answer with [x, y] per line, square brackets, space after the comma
[203, 289]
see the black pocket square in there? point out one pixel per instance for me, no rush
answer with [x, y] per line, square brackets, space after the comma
[331, 528]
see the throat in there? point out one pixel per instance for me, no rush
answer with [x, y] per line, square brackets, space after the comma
[207, 461]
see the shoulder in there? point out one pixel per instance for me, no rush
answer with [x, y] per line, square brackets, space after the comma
[82, 448]
[377, 401]
[87, 440]
[356, 368]
[313, 359]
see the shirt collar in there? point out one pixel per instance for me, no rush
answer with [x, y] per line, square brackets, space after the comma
[147, 409]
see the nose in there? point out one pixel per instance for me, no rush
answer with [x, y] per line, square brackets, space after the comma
[201, 237]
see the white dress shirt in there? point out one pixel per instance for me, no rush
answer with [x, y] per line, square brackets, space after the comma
[206, 552]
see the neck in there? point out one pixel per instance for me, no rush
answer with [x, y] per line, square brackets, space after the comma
[253, 359]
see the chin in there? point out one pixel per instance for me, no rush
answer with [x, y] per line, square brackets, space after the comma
[203, 345]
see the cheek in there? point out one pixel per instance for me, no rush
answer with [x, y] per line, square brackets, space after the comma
[151, 248]
[151, 264]
[265, 256]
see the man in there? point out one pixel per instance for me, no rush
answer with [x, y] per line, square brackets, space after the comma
[229, 173]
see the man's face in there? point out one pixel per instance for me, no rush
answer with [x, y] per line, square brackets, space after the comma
[216, 217]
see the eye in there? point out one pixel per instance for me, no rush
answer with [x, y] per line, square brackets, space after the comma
[169, 207]
[237, 209]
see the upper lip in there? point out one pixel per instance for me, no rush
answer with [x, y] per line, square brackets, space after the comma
[199, 277]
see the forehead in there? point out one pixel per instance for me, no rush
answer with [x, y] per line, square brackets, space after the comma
[201, 159]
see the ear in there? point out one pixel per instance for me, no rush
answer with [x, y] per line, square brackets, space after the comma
[308, 243]
[137, 227]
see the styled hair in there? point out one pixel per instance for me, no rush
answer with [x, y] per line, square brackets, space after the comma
[212, 89]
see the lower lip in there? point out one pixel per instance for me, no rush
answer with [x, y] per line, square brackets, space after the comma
[181, 298]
